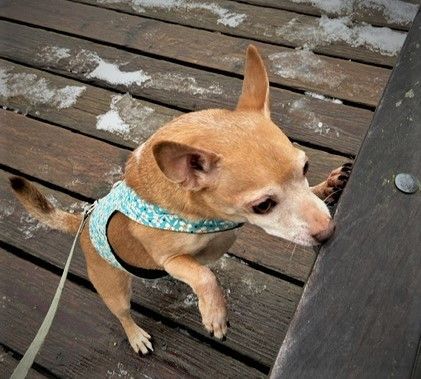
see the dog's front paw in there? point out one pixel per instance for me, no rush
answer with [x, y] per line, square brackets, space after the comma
[336, 182]
[213, 309]
[140, 340]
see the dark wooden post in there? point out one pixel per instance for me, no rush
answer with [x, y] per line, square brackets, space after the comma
[360, 314]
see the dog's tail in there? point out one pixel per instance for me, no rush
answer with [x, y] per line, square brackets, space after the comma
[39, 207]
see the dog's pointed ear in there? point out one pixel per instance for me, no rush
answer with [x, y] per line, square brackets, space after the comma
[193, 168]
[255, 93]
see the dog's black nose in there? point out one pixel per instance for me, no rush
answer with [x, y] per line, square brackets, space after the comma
[324, 234]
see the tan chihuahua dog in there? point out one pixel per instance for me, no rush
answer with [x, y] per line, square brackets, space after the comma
[230, 165]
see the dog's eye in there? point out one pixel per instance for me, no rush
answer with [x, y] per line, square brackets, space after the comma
[305, 168]
[265, 206]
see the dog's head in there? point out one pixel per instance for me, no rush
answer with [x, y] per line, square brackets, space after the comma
[240, 165]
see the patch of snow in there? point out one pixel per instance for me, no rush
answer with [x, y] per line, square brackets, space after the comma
[396, 11]
[328, 30]
[29, 226]
[398, 103]
[190, 300]
[93, 66]
[252, 286]
[165, 285]
[54, 53]
[310, 120]
[322, 97]
[225, 16]
[111, 122]
[304, 65]
[410, 94]
[330, 6]
[181, 83]
[7, 208]
[120, 372]
[112, 73]
[125, 115]
[38, 90]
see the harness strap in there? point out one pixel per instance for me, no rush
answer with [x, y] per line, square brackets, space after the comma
[134, 270]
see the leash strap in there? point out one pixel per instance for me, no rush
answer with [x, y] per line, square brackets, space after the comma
[27, 360]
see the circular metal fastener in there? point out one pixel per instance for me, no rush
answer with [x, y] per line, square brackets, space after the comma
[406, 183]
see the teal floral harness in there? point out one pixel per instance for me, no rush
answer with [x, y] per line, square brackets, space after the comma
[124, 199]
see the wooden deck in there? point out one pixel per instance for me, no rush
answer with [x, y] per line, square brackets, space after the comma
[54, 96]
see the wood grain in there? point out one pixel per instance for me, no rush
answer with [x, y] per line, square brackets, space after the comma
[303, 118]
[360, 12]
[8, 363]
[259, 23]
[339, 78]
[85, 339]
[359, 316]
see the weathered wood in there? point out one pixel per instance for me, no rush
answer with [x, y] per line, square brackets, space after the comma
[359, 316]
[8, 363]
[303, 118]
[361, 11]
[342, 79]
[143, 117]
[330, 76]
[259, 23]
[85, 340]
[256, 300]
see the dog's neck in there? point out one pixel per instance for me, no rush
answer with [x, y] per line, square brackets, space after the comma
[144, 176]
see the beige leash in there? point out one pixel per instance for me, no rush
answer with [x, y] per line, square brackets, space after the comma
[27, 360]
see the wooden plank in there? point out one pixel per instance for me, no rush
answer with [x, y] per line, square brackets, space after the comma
[256, 299]
[360, 312]
[278, 255]
[329, 76]
[85, 340]
[342, 127]
[8, 364]
[244, 20]
[398, 16]
[334, 77]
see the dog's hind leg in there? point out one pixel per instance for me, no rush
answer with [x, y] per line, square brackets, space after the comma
[115, 287]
